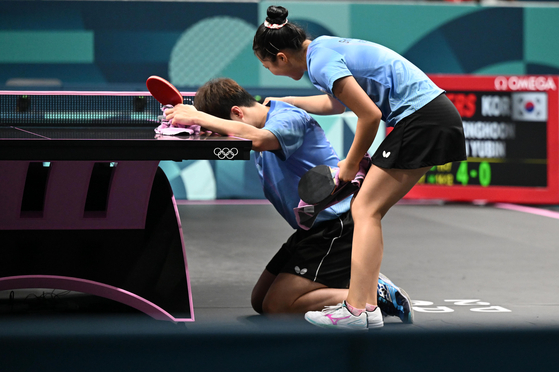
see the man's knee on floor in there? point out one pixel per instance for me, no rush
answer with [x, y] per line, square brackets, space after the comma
[257, 306]
[276, 306]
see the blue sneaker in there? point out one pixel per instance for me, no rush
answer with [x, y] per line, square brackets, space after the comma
[394, 301]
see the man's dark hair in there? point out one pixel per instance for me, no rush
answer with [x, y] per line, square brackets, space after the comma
[218, 96]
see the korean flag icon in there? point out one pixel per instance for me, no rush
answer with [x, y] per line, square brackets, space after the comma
[529, 106]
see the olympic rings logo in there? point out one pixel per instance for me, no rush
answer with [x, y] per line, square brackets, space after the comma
[226, 153]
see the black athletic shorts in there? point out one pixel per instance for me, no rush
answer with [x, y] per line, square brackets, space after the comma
[321, 254]
[433, 135]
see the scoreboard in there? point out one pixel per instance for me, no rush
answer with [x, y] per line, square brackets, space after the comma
[511, 125]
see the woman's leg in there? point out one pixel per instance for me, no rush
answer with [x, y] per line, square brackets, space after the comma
[381, 189]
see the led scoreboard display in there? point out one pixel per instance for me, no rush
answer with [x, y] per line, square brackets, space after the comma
[511, 124]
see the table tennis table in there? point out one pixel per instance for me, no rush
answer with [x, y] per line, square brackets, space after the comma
[84, 205]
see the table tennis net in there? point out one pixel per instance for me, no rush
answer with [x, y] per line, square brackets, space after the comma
[96, 109]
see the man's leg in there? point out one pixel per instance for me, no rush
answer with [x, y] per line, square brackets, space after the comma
[260, 290]
[295, 294]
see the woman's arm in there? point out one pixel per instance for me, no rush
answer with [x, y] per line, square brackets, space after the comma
[262, 140]
[320, 105]
[368, 119]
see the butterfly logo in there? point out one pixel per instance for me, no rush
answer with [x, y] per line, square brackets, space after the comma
[386, 154]
[300, 271]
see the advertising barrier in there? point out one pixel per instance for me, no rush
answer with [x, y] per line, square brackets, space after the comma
[511, 127]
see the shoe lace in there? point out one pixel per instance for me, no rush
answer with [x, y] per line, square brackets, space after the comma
[331, 309]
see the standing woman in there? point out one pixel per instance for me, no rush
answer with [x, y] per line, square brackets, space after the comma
[377, 84]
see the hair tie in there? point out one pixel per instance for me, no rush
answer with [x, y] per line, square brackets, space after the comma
[274, 26]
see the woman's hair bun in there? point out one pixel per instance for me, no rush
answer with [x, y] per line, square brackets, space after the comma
[276, 14]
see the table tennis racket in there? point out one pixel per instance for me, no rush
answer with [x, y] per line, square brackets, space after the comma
[163, 91]
[317, 184]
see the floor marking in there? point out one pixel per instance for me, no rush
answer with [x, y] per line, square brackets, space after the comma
[421, 306]
[532, 210]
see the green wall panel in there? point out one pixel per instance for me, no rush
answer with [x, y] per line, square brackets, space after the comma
[541, 35]
[399, 26]
[46, 47]
[506, 68]
[242, 68]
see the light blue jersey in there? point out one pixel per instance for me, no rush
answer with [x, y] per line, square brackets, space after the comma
[396, 85]
[303, 146]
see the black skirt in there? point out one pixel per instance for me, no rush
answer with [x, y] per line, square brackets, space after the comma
[433, 135]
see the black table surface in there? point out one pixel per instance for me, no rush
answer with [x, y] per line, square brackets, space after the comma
[115, 143]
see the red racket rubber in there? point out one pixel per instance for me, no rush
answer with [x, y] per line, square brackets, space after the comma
[163, 91]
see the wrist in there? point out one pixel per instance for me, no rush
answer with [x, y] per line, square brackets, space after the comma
[352, 159]
[202, 119]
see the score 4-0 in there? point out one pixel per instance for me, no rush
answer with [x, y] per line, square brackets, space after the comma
[483, 173]
[427, 306]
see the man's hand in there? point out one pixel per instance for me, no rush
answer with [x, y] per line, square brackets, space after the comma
[187, 115]
[182, 115]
